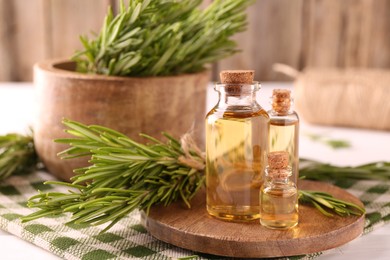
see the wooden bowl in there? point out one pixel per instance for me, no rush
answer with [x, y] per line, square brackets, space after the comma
[150, 105]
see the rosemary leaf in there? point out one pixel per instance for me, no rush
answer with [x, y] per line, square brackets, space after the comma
[163, 37]
[333, 143]
[17, 154]
[314, 170]
[325, 203]
[124, 175]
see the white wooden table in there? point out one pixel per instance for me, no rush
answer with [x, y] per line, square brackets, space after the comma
[17, 113]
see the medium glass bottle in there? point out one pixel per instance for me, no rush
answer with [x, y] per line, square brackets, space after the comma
[284, 128]
[236, 147]
[278, 195]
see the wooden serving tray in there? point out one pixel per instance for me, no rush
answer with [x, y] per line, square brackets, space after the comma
[195, 230]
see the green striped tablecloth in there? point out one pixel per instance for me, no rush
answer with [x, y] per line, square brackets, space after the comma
[128, 239]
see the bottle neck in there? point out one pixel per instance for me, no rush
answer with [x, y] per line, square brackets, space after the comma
[281, 113]
[281, 106]
[278, 175]
[237, 95]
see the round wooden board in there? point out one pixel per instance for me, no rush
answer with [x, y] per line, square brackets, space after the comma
[195, 230]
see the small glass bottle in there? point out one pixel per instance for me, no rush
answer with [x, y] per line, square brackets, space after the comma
[284, 128]
[236, 148]
[278, 195]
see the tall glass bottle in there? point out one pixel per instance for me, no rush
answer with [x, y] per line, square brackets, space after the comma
[236, 147]
[284, 128]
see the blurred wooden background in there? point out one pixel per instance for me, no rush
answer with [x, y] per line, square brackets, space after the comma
[300, 33]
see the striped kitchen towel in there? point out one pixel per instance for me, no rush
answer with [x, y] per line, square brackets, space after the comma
[128, 239]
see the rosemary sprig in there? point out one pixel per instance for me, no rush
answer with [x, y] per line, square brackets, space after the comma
[124, 175]
[309, 169]
[17, 154]
[163, 37]
[333, 143]
[325, 202]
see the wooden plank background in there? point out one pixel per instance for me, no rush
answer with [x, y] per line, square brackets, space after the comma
[300, 33]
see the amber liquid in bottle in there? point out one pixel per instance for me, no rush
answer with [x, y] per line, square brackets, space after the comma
[279, 206]
[284, 129]
[278, 194]
[236, 147]
[284, 136]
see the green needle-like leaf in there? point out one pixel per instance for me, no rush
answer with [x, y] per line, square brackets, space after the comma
[309, 169]
[17, 154]
[326, 204]
[124, 175]
[176, 37]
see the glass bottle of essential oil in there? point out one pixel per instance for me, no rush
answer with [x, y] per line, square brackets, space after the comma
[278, 195]
[236, 147]
[284, 128]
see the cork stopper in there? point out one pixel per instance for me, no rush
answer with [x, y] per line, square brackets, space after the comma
[278, 165]
[234, 79]
[278, 160]
[281, 101]
[237, 76]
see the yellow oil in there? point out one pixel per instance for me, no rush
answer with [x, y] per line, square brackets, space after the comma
[284, 137]
[279, 208]
[236, 152]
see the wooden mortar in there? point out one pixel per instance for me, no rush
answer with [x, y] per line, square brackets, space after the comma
[150, 105]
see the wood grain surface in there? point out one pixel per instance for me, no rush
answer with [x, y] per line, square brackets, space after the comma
[313, 33]
[300, 33]
[335, 97]
[194, 229]
[36, 30]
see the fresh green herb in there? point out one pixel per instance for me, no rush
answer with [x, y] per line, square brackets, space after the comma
[125, 175]
[325, 202]
[163, 37]
[17, 154]
[309, 169]
[333, 143]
